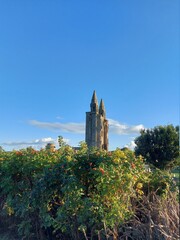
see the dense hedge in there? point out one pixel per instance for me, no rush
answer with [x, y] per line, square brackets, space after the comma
[67, 194]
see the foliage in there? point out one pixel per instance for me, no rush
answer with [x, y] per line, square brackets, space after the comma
[160, 182]
[61, 141]
[68, 194]
[159, 146]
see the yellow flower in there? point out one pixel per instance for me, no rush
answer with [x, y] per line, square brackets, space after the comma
[140, 192]
[139, 186]
[68, 158]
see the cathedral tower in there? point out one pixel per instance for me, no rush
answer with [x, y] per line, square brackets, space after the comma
[97, 125]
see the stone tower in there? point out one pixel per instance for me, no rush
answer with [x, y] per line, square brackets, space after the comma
[97, 125]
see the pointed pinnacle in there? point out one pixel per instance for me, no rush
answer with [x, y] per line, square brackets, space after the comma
[94, 98]
[94, 103]
[102, 108]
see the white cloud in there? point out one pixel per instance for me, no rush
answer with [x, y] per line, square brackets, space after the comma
[33, 142]
[115, 127]
[44, 140]
[37, 143]
[131, 145]
[57, 126]
[122, 129]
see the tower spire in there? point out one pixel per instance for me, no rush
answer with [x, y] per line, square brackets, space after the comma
[102, 109]
[96, 125]
[94, 103]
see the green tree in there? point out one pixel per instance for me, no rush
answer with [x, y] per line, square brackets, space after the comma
[159, 146]
[61, 141]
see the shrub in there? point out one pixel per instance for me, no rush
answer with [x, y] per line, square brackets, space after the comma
[73, 195]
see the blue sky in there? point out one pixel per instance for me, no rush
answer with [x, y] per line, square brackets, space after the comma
[55, 53]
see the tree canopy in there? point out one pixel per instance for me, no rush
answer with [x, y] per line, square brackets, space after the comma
[159, 145]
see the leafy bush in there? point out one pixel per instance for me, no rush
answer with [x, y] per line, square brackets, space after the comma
[67, 194]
